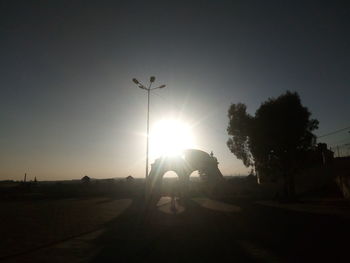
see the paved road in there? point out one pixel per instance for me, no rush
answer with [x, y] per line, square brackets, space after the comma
[252, 233]
[206, 231]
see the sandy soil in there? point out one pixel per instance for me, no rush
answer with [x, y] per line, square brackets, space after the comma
[27, 225]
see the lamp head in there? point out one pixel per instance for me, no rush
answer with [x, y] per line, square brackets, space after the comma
[152, 79]
[135, 81]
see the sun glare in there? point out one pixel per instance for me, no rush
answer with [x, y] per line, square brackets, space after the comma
[170, 137]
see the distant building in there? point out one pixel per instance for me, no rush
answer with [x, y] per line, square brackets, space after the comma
[129, 178]
[341, 170]
[85, 179]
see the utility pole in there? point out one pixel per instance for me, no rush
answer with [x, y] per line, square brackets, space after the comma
[149, 89]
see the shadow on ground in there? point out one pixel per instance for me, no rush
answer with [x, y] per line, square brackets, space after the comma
[155, 236]
[254, 233]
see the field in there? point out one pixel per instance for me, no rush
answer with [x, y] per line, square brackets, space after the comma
[111, 229]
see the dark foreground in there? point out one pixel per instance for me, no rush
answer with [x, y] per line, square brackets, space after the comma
[235, 231]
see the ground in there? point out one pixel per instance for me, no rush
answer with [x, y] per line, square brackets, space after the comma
[111, 230]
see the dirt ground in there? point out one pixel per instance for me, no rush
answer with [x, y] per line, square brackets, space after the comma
[29, 225]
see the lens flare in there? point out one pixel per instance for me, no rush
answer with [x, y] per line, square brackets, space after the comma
[170, 137]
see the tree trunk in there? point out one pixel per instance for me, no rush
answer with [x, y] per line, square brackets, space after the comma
[285, 186]
[291, 186]
[288, 186]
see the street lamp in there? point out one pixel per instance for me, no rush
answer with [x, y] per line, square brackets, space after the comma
[149, 89]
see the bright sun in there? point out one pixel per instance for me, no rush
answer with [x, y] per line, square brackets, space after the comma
[170, 137]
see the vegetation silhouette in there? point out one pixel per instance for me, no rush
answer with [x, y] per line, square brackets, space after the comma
[275, 140]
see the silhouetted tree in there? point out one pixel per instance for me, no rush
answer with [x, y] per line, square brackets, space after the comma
[274, 140]
[240, 127]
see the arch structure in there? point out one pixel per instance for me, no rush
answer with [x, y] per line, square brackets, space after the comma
[191, 160]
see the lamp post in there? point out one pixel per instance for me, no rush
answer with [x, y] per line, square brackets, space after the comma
[149, 89]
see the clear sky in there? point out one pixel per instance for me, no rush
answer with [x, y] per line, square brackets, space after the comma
[68, 106]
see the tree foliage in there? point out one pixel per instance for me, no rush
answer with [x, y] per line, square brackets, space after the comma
[275, 139]
[239, 128]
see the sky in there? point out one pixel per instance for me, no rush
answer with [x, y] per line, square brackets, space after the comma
[68, 107]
